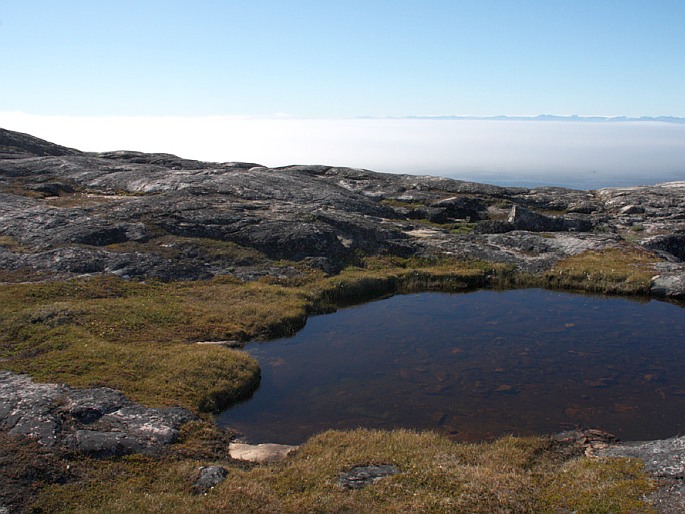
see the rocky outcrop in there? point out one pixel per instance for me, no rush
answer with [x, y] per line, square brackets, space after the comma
[100, 422]
[65, 213]
[15, 145]
[664, 460]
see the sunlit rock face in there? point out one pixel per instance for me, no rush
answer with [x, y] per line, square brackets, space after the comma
[66, 213]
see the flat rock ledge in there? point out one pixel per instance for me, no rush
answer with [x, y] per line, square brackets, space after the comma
[260, 453]
[663, 459]
[100, 422]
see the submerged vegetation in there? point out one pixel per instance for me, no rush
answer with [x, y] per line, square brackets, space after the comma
[139, 337]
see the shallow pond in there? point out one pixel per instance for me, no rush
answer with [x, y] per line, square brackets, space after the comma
[475, 366]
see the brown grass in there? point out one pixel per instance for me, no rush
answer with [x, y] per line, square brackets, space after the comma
[625, 270]
[138, 337]
[522, 475]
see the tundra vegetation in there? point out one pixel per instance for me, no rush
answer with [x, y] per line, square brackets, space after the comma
[138, 337]
[114, 265]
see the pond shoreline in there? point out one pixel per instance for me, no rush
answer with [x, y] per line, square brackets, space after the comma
[113, 264]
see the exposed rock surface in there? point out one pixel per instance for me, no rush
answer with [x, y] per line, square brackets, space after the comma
[101, 422]
[66, 213]
[265, 452]
[210, 477]
[665, 460]
[362, 476]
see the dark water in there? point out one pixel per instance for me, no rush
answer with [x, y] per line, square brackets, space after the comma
[475, 366]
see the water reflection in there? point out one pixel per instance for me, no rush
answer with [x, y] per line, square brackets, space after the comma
[475, 366]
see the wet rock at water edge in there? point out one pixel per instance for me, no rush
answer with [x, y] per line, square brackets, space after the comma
[589, 440]
[670, 282]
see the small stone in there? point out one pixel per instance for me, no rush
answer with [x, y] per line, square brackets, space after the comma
[210, 477]
[362, 476]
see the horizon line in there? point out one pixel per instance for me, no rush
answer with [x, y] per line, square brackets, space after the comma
[436, 117]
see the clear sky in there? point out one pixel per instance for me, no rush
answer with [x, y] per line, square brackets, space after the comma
[342, 58]
[279, 82]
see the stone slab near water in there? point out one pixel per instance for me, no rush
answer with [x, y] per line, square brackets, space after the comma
[260, 453]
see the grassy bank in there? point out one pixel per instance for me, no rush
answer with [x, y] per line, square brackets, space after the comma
[140, 338]
[522, 475]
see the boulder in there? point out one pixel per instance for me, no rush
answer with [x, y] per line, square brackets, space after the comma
[523, 219]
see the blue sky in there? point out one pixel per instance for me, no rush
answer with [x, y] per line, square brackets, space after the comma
[279, 82]
[344, 58]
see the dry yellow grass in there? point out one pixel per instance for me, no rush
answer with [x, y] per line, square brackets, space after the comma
[613, 271]
[522, 475]
[138, 337]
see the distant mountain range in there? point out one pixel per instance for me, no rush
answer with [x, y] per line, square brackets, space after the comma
[542, 117]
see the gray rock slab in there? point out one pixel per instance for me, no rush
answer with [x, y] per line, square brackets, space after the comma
[670, 284]
[363, 476]
[209, 477]
[99, 421]
[663, 458]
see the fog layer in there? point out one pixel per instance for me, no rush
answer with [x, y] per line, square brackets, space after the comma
[575, 154]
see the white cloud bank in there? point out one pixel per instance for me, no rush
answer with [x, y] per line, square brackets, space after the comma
[579, 154]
